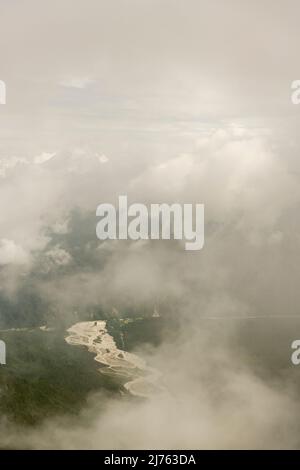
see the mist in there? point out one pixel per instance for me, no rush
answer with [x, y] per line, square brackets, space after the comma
[165, 103]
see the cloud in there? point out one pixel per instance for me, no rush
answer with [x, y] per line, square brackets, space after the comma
[11, 253]
[44, 157]
[214, 401]
[165, 103]
[103, 158]
[59, 256]
[76, 82]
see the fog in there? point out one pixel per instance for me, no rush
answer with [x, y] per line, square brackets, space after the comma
[163, 102]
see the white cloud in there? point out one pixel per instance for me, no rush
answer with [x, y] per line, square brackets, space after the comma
[102, 158]
[44, 157]
[77, 82]
[59, 256]
[11, 253]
